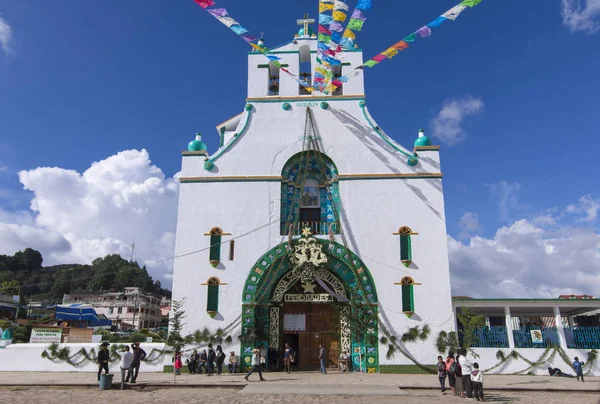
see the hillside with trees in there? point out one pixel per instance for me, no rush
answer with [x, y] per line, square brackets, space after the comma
[23, 272]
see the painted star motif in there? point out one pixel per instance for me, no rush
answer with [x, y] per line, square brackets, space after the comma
[306, 232]
[309, 287]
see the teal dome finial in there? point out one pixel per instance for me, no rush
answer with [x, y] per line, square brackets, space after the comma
[197, 144]
[422, 140]
[301, 32]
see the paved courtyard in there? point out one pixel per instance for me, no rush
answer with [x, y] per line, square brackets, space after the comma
[234, 396]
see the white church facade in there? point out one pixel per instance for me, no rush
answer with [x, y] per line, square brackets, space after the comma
[309, 225]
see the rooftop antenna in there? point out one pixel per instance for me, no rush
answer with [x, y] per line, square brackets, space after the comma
[132, 248]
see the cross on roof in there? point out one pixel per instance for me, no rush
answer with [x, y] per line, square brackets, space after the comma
[305, 22]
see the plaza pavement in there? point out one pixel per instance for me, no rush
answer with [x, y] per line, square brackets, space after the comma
[306, 383]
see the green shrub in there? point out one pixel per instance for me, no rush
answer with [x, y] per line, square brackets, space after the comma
[113, 338]
[137, 337]
[145, 331]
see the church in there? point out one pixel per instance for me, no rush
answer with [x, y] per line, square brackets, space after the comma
[310, 225]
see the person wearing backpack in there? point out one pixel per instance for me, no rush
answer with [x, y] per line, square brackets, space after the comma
[210, 364]
[451, 371]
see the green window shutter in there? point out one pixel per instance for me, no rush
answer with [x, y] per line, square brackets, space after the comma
[408, 303]
[212, 301]
[405, 250]
[215, 250]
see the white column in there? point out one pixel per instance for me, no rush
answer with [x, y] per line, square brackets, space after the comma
[559, 328]
[509, 329]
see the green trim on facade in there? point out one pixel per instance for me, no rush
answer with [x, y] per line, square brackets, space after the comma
[210, 162]
[385, 138]
[278, 179]
[307, 99]
[267, 65]
[407, 369]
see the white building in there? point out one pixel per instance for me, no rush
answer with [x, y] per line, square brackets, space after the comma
[128, 309]
[294, 160]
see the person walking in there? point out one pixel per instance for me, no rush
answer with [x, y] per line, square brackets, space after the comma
[323, 370]
[467, 368]
[441, 368]
[451, 371]
[103, 359]
[477, 380]
[288, 358]
[233, 360]
[220, 359]
[125, 365]
[210, 362]
[255, 365]
[578, 366]
[138, 356]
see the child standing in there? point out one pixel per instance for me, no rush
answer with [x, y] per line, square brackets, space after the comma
[477, 380]
[578, 366]
[441, 368]
[178, 364]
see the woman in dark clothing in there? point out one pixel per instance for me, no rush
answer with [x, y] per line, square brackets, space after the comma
[220, 359]
[103, 359]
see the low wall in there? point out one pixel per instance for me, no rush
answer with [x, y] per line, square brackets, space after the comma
[487, 359]
[27, 358]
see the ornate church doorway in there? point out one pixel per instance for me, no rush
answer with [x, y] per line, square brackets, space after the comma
[332, 302]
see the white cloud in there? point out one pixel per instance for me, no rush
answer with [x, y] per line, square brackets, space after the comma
[76, 218]
[506, 195]
[469, 225]
[581, 15]
[525, 259]
[446, 126]
[5, 36]
[587, 206]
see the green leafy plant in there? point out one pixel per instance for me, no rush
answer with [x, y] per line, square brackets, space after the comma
[469, 322]
[446, 342]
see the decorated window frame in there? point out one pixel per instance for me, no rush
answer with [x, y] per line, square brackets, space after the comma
[214, 255]
[212, 295]
[408, 295]
[405, 234]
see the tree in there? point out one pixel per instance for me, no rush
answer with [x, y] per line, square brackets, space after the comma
[9, 287]
[175, 340]
[469, 322]
[28, 259]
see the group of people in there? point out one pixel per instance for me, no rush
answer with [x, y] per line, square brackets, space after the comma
[210, 359]
[464, 377]
[129, 364]
[577, 365]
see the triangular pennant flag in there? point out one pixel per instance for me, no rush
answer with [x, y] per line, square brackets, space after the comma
[325, 7]
[390, 53]
[470, 3]
[364, 4]
[248, 38]
[323, 30]
[437, 22]
[454, 12]
[325, 19]
[204, 3]
[339, 16]
[340, 5]
[355, 25]
[228, 21]
[349, 34]
[424, 31]
[370, 63]
[400, 45]
[378, 58]
[410, 38]
[217, 12]
[238, 29]
[336, 26]
[358, 15]
[324, 38]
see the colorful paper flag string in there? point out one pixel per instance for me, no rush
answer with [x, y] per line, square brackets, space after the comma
[423, 32]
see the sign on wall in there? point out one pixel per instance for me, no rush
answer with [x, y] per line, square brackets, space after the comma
[536, 337]
[45, 335]
[294, 322]
[313, 298]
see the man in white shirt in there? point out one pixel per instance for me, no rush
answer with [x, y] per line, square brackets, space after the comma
[126, 362]
[467, 368]
[255, 364]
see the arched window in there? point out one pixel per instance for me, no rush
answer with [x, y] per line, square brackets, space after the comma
[212, 297]
[405, 245]
[408, 296]
[273, 86]
[305, 68]
[214, 255]
[310, 194]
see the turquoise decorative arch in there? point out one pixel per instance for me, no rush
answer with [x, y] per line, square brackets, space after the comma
[274, 264]
[257, 308]
[292, 176]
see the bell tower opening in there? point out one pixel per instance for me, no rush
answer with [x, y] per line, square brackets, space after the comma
[305, 68]
[274, 74]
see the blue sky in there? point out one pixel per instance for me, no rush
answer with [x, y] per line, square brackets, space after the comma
[82, 81]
